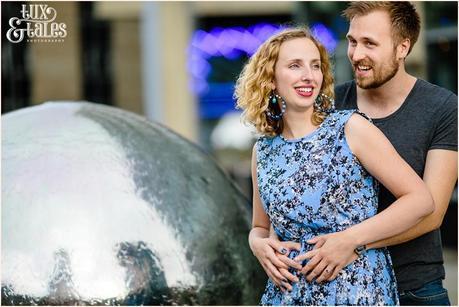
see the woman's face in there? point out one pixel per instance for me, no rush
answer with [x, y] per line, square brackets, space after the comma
[297, 74]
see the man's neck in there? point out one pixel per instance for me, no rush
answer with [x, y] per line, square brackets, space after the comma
[382, 101]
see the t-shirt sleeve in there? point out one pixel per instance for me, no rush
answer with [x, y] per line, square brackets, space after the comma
[445, 136]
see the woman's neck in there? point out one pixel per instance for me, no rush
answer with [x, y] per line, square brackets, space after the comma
[297, 125]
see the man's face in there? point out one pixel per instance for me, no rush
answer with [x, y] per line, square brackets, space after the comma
[371, 49]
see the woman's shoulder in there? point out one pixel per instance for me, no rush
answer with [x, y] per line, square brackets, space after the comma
[346, 113]
[265, 140]
[264, 143]
[338, 118]
[343, 116]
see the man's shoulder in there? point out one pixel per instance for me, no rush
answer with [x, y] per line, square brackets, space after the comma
[432, 100]
[434, 93]
[346, 95]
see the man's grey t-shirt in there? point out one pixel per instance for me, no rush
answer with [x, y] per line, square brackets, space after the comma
[426, 120]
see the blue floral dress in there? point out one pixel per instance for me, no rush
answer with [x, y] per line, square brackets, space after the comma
[312, 186]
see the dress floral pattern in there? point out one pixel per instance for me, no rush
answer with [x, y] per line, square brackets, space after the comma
[315, 185]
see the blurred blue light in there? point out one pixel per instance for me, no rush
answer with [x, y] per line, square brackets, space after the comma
[231, 43]
[217, 101]
[325, 36]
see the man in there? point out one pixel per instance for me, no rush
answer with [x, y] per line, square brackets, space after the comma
[420, 120]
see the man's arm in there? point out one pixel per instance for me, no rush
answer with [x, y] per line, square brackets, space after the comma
[440, 175]
[413, 202]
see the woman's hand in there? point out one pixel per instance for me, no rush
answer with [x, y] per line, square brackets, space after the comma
[273, 257]
[331, 253]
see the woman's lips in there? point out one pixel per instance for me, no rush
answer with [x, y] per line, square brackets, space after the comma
[304, 91]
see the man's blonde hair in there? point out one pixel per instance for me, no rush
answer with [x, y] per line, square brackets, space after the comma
[405, 21]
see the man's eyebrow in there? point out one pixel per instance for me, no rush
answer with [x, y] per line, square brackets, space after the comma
[365, 38]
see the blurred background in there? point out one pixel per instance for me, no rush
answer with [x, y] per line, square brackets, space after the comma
[176, 63]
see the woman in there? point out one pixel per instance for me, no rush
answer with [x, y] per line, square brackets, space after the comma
[311, 176]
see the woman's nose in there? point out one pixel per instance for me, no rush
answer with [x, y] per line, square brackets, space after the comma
[306, 75]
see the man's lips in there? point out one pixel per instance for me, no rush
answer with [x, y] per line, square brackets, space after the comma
[362, 70]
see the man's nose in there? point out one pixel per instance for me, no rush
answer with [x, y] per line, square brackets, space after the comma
[357, 53]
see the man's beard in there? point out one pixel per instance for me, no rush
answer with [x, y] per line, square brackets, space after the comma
[379, 78]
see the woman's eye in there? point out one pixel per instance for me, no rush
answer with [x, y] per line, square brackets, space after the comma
[294, 66]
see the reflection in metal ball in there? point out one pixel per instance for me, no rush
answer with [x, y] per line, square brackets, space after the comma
[100, 206]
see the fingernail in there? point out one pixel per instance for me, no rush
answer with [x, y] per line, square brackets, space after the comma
[283, 251]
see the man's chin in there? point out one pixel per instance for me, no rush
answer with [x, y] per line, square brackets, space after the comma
[364, 84]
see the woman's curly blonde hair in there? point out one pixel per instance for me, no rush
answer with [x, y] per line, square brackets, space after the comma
[254, 84]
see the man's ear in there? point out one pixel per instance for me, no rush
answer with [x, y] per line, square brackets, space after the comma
[403, 48]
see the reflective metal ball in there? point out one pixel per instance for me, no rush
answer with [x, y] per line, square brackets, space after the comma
[102, 207]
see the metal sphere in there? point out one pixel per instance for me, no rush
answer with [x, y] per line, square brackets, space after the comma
[102, 207]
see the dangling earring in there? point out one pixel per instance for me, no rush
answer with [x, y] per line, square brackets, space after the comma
[274, 100]
[318, 102]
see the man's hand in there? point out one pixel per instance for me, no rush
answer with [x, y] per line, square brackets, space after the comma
[332, 252]
[273, 257]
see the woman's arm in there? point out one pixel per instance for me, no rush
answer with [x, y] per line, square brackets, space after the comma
[414, 201]
[381, 160]
[264, 246]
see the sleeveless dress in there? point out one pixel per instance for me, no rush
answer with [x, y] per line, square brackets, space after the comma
[312, 186]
